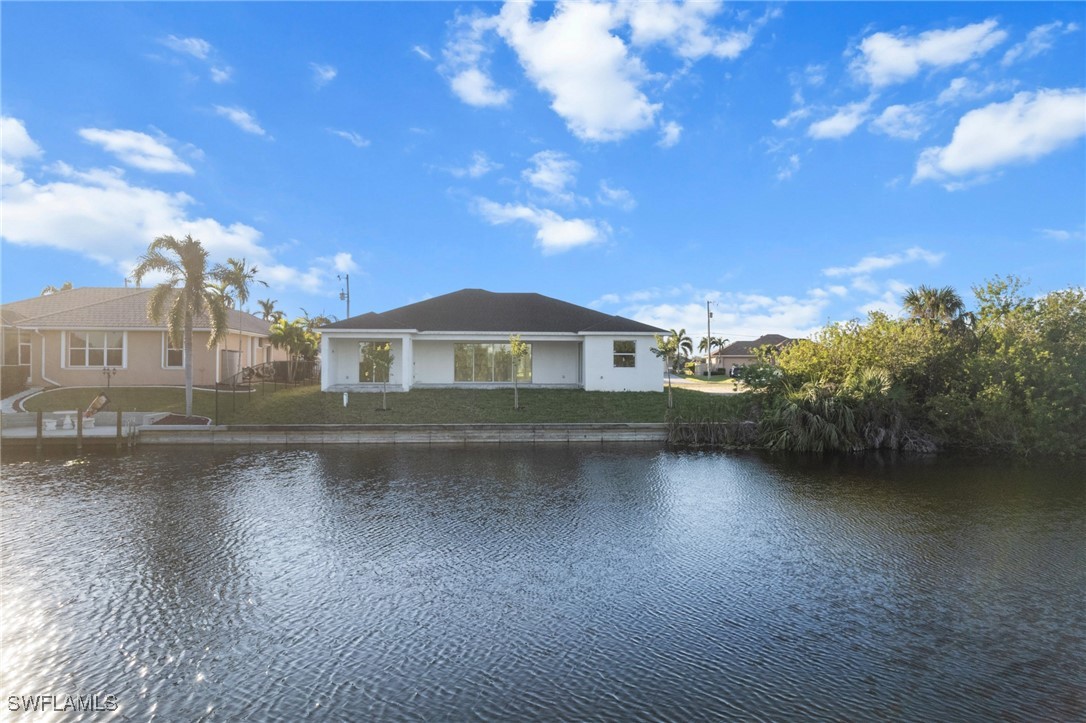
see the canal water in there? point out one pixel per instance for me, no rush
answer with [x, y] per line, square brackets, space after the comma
[613, 583]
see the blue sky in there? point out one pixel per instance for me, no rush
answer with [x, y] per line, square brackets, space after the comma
[795, 163]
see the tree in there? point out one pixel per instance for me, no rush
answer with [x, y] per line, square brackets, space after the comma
[382, 357]
[299, 343]
[183, 296]
[666, 350]
[705, 346]
[268, 311]
[519, 349]
[684, 345]
[50, 289]
[932, 304]
[235, 276]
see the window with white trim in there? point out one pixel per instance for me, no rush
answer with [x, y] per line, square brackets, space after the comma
[172, 356]
[95, 349]
[625, 354]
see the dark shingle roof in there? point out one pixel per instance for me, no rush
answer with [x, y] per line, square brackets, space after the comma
[746, 348]
[487, 311]
[106, 308]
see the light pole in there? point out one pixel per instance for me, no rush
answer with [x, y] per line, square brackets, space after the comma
[346, 295]
[708, 339]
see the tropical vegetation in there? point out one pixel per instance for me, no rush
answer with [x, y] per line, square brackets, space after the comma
[185, 294]
[1008, 375]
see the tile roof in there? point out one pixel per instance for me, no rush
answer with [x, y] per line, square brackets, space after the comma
[487, 311]
[106, 308]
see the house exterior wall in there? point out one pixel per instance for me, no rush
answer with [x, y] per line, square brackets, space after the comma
[434, 362]
[556, 362]
[340, 358]
[601, 374]
[144, 360]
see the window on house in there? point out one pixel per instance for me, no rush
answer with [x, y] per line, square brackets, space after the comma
[24, 348]
[489, 363]
[370, 365]
[16, 347]
[625, 353]
[175, 356]
[95, 348]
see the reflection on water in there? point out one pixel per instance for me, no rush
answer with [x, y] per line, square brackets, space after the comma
[498, 583]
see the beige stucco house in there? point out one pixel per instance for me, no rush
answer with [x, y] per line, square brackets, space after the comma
[68, 338]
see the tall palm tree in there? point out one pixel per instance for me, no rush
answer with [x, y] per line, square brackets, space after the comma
[705, 346]
[182, 296]
[236, 276]
[939, 305]
[267, 309]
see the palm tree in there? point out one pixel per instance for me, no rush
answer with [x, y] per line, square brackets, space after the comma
[706, 345]
[684, 345]
[50, 289]
[665, 349]
[296, 339]
[182, 296]
[267, 309]
[236, 276]
[938, 305]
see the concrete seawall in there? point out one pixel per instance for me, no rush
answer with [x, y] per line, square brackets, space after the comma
[316, 434]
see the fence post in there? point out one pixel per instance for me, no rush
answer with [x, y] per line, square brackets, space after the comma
[40, 424]
[78, 431]
[119, 421]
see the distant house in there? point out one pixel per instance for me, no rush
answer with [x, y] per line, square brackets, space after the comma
[741, 353]
[462, 340]
[69, 337]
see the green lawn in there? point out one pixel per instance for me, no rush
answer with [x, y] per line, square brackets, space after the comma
[308, 405]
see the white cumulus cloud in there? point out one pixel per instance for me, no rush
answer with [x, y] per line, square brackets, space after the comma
[322, 74]
[480, 166]
[884, 58]
[1030, 125]
[17, 143]
[670, 133]
[138, 150]
[842, 123]
[1038, 41]
[554, 234]
[617, 197]
[466, 62]
[196, 47]
[901, 121]
[871, 264]
[552, 172]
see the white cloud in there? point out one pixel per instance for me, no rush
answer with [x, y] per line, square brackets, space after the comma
[889, 302]
[885, 59]
[221, 74]
[842, 123]
[421, 52]
[351, 137]
[196, 47]
[1062, 234]
[789, 169]
[480, 166]
[685, 29]
[901, 121]
[100, 215]
[736, 315]
[617, 197]
[137, 149]
[17, 143]
[241, 118]
[466, 64]
[869, 264]
[1023, 129]
[587, 71]
[1038, 41]
[344, 263]
[552, 172]
[322, 74]
[794, 115]
[554, 234]
[670, 133]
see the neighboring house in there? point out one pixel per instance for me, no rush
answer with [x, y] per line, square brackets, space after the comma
[741, 353]
[462, 340]
[69, 337]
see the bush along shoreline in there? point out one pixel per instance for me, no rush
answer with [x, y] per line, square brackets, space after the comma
[1007, 376]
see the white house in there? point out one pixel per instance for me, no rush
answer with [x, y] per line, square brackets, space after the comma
[462, 340]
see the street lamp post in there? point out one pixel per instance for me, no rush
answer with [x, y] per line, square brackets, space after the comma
[346, 295]
[708, 339]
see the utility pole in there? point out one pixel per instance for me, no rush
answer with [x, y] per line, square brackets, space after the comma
[708, 339]
[346, 295]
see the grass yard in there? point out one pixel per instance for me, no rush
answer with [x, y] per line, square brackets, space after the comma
[308, 405]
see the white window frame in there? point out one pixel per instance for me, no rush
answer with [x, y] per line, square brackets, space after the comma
[616, 354]
[166, 353]
[65, 348]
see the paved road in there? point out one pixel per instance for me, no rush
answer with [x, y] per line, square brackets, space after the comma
[704, 387]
